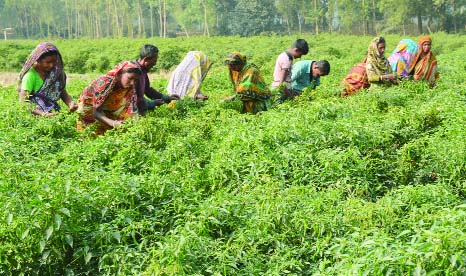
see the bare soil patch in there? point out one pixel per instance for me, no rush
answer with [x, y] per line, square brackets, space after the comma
[8, 78]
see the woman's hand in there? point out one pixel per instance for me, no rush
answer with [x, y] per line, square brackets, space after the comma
[387, 77]
[116, 123]
[72, 106]
[159, 102]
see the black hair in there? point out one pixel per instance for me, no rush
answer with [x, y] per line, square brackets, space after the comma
[381, 40]
[47, 54]
[301, 45]
[324, 66]
[148, 51]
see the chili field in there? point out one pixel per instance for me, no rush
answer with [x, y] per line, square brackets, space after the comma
[371, 184]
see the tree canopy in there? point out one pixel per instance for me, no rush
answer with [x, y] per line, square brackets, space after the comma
[166, 18]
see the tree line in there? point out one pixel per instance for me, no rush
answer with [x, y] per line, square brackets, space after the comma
[168, 18]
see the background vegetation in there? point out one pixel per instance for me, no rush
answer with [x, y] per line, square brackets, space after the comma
[168, 18]
[372, 184]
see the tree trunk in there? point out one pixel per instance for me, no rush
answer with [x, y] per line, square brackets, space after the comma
[117, 24]
[27, 23]
[160, 18]
[129, 24]
[299, 22]
[374, 20]
[419, 22]
[206, 24]
[98, 25]
[109, 15]
[140, 21]
[164, 18]
[317, 17]
[151, 11]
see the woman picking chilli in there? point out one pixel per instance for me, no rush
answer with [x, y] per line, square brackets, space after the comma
[110, 99]
[248, 84]
[187, 78]
[377, 66]
[424, 65]
[42, 81]
[402, 57]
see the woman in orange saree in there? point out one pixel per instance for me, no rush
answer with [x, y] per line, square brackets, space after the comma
[424, 65]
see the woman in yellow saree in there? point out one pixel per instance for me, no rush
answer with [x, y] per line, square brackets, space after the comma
[377, 66]
[248, 83]
[373, 70]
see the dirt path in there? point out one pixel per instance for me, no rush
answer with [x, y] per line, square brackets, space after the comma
[7, 79]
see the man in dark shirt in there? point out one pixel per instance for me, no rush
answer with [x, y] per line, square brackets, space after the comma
[148, 59]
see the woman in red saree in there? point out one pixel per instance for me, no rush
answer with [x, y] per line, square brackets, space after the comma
[110, 99]
[355, 80]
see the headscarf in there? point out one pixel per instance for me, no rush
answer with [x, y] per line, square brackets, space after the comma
[376, 62]
[41, 49]
[249, 82]
[94, 96]
[403, 56]
[234, 58]
[105, 84]
[424, 68]
[55, 83]
[187, 78]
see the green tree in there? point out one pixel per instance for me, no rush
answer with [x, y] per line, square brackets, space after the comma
[252, 17]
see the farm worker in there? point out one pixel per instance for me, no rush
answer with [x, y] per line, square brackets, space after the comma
[402, 57]
[248, 84]
[281, 85]
[424, 65]
[307, 73]
[187, 78]
[42, 81]
[148, 57]
[377, 67]
[355, 80]
[110, 99]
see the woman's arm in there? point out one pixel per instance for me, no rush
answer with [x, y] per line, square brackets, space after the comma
[373, 76]
[22, 95]
[66, 98]
[100, 116]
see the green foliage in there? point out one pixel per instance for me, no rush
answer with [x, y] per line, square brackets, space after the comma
[372, 184]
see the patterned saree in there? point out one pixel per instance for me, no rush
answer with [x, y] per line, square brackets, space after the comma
[46, 99]
[355, 80]
[402, 57]
[424, 67]
[251, 89]
[116, 104]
